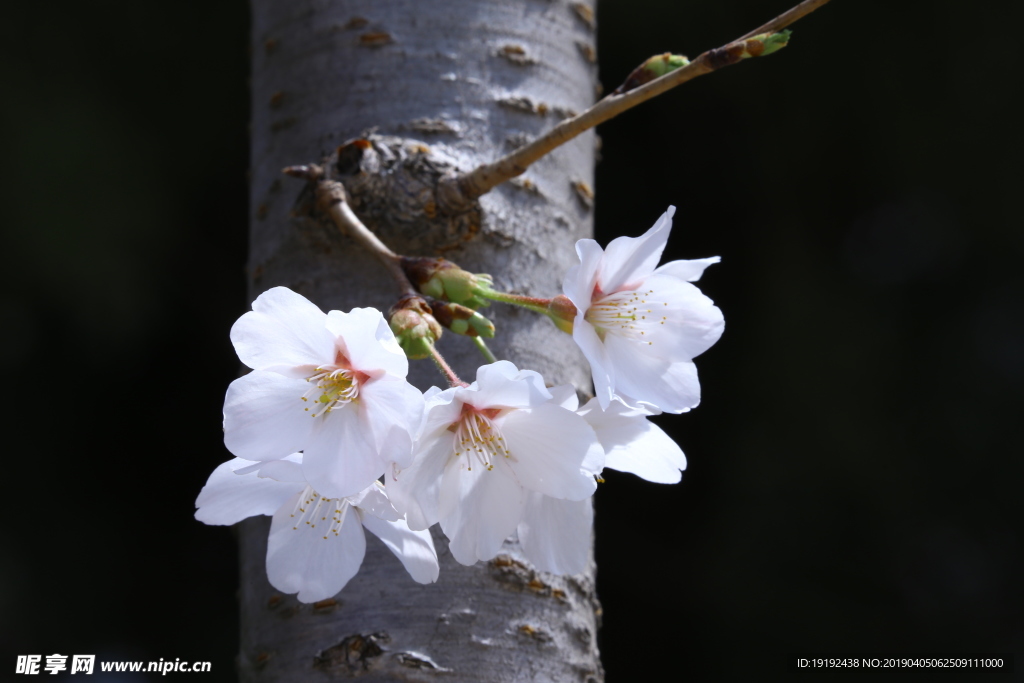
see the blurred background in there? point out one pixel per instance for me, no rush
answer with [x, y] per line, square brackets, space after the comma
[855, 466]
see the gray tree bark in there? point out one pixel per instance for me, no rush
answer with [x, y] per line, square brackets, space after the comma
[461, 83]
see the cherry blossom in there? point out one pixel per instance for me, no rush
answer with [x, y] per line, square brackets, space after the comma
[330, 385]
[316, 544]
[484, 450]
[632, 443]
[640, 326]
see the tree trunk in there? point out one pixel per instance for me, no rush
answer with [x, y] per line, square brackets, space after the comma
[470, 79]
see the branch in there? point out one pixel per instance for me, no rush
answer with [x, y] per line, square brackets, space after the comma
[332, 201]
[482, 179]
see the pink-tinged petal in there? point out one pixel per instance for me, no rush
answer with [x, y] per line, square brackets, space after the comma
[644, 379]
[415, 549]
[284, 331]
[300, 560]
[373, 500]
[228, 498]
[555, 534]
[390, 410]
[634, 444]
[689, 270]
[601, 368]
[578, 284]
[628, 260]
[368, 342]
[339, 461]
[692, 322]
[415, 491]
[501, 384]
[265, 416]
[480, 508]
[548, 445]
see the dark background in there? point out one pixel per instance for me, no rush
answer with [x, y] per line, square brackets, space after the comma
[855, 466]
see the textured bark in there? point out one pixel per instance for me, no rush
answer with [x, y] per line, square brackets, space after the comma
[462, 82]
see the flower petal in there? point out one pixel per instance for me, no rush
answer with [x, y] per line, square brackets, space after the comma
[628, 260]
[689, 270]
[373, 500]
[548, 445]
[284, 331]
[632, 443]
[501, 384]
[368, 342]
[228, 497]
[415, 549]
[692, 322]
[578, 284]
[391, 410]
[556, 534]
[645, 379]
[264, 416]
[601, 367]
[300, 560]
[479, 509]
[416, 490]
[339, 461]
[286, 469]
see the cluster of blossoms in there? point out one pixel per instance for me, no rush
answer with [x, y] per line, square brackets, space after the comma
[330, 438]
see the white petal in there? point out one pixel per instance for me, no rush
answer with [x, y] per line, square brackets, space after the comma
[228, 498]
[693, 323]
[641, 378]
[339, 461]
[580, 281]
[441, 410]
[479, 509]
[300, 560]
[564, 395]
[282, 332]
[415, 549]
[548, 446]
[635, 444]
[415, 491]
[601, 368]
[373, 500]
[556, 534]
[501, 384]
[689, 270]
[628, 260]
[264, 416]
[368, 342]
[285, 469]
[390, 409]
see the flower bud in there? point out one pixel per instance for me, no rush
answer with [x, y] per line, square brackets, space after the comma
[414, 326]
[655, 67]
[442, 279]
[462, 319]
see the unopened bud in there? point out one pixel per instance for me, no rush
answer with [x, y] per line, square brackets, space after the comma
[655, 67]
[462, 319]
[414, 326]
[562, 312]
[442, 279]
[764, 44]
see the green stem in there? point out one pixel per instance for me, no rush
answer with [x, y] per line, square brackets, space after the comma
[535, 304]
[482, 347]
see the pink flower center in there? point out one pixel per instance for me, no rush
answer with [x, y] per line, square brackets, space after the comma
[630, 314]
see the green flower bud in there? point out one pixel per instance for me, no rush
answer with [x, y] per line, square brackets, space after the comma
[414, 326]
[462, 319]
[655, 67]
[442, 279]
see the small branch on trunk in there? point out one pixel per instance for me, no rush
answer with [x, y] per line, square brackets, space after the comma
[331, 199]
[485, 177]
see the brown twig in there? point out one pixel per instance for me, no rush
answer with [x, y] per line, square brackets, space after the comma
[332, 201]
[482, 179]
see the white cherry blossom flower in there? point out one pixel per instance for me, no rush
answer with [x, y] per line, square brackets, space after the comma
[330, 385]
[639, 325]
[484, 450]
[316, 544]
